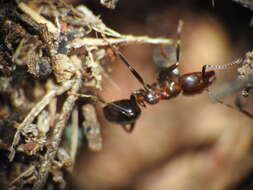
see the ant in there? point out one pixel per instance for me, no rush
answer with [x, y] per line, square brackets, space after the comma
[168, 85]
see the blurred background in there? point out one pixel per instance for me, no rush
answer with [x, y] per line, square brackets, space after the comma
[190, 142]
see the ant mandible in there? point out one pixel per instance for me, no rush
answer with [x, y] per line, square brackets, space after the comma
[168, 85]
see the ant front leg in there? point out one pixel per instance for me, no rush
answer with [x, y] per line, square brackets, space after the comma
[169, 72]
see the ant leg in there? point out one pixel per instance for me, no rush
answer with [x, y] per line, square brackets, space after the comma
[129, 129]
[124, 60]
[164, 54]
[178, 42]
[167, 73]
[132, 127]
[134, 72]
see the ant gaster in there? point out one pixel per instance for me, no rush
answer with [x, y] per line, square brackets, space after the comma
[168, 85]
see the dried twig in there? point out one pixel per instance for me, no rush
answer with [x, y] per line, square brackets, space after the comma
[74, 136]
[34, 113]
[92, 128]
[50, 50]
[37, 17]
[110, 4]
[123, 40]
[57, 134]
[27, 172]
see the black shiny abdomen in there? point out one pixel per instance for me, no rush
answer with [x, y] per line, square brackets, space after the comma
[122, 112]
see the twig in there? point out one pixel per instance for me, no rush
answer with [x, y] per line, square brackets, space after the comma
[35, 111]
[43, 123]
[96, 68]
[37, 17]
[110, 4]
[57, 134]
[95, 23]
[74, 136]
[27, 172]
[52, 106]
[92, 128]
[125, 40]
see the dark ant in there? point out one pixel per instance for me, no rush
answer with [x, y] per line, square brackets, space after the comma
[168, 85]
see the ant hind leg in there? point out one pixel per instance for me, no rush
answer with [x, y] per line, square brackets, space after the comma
[130, 128]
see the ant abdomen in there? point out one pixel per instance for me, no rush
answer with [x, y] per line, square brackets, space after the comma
[194, 83]
[122, 112]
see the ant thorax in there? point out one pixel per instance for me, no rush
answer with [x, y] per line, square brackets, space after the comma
[152, 97]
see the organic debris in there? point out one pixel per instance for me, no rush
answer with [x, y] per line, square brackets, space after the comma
[47, 55]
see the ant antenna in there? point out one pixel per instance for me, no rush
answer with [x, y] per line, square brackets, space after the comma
[177, 43]
[220, 67]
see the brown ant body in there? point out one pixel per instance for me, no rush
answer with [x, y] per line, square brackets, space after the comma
[127, 111]
[168, 85]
